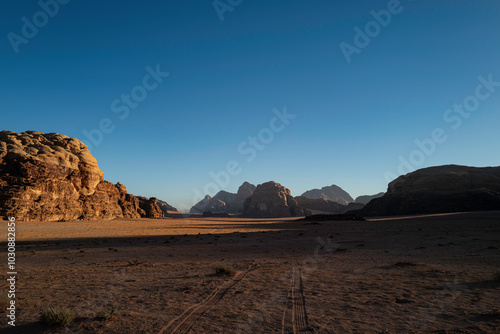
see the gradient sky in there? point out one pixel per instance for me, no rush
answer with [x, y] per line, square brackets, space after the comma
[354, 121]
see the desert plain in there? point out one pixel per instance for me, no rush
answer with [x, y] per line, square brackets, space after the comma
[418, 274]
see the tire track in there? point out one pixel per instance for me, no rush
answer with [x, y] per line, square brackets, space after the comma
[295, 315]
[184, 322]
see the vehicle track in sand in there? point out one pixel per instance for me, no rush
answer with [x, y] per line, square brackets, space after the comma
[184, 322]
[295, 315]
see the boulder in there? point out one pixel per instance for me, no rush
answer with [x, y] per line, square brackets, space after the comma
[271, 200]
[440, 189]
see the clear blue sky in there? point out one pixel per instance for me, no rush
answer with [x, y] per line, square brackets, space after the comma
[353, 120]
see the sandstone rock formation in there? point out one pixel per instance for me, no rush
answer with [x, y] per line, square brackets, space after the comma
[449, 188]
[166, 208]
[54, 177]
[365, 199]
[332, 193]
[225, 201]
[272, 200]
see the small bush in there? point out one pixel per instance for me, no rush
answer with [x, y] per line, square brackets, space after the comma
[114, 313]
[224, 270]
[57, 317]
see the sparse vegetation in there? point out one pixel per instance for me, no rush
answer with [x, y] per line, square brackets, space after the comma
[57, 317]
[224, 270]
[135, 262]
[111, 315]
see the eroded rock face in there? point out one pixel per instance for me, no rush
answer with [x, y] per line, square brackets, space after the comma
[271, 200]
[53, 177]
[449, 188]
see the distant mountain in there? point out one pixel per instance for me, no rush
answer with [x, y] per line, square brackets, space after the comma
[271, 200]
[225, 201]
[201, 205]
[320, 205]
[440, 189]
[165, 207]
[332, 193]
[221, 202]
[367, 198]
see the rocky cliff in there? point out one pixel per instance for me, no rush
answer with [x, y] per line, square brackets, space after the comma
[449, 188]
[331, 193]
[272, 200]
[54, 177]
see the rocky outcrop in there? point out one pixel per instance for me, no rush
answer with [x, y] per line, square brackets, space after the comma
[201, 205]
[365, 199]
[166, 208]
[331, 193]
[54, 177]
[449, 188]
[272, 200]
[225, 201]
[150, 207]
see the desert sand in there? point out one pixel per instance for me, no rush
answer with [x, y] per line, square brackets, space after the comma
[430, 274]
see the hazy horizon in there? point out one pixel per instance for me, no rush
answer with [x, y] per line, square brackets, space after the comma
[168, 94]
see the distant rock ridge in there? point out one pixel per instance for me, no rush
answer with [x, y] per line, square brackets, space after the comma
[365, 199]
[272, 200]
[320, 205]
[50, 177]
[440, 189]
[330, 193]
[224, 201]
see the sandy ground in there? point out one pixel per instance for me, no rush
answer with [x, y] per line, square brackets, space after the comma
[433, 274]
